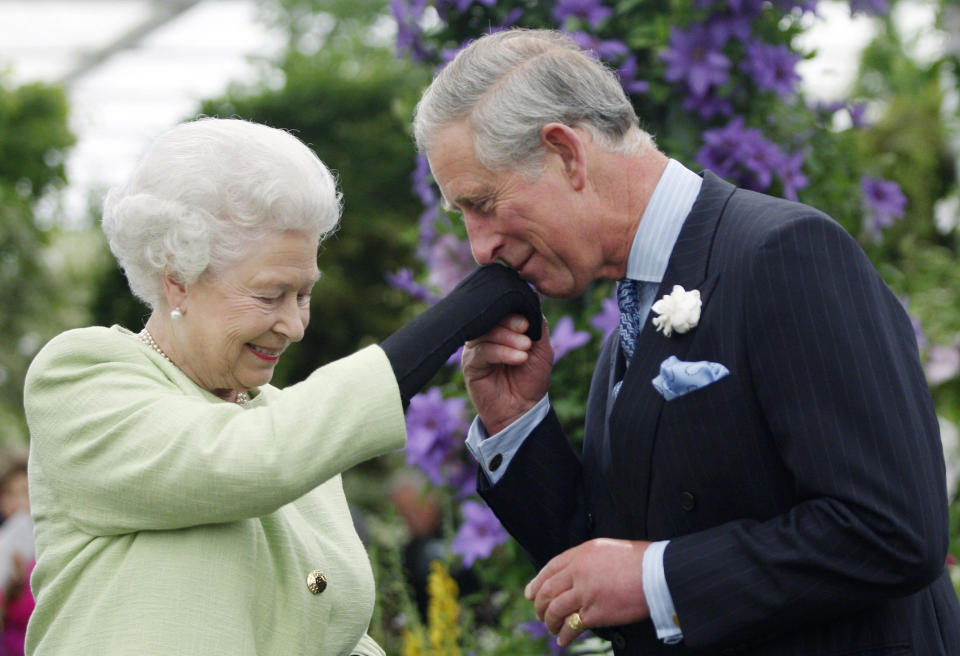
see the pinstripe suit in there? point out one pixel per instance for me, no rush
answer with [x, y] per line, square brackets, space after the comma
[803, 494]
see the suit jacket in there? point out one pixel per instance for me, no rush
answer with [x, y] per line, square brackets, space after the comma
[168, 521]
[804, 493]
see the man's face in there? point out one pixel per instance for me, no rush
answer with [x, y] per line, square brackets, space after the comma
[538, 227]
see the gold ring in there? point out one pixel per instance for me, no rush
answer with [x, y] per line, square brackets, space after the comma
[574, 622]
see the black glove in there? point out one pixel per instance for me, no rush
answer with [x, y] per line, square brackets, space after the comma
[477, 304]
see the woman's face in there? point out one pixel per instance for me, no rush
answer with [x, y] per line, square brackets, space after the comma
[236, 325]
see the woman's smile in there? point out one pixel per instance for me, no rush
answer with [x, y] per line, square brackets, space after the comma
[269, 355]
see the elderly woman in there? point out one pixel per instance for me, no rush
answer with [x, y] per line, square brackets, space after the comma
[182, 504]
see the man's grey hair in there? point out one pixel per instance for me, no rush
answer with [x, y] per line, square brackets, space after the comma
[509, 84]
[206, 194]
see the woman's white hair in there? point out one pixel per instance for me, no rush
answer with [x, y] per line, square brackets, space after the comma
[511, 83]
[206, 193]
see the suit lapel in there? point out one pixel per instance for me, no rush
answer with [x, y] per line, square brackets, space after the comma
[596, 447]
[635, 413]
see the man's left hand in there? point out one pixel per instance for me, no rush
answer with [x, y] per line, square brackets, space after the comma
[601, 579]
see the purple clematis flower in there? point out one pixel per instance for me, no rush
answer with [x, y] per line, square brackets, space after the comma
[771, 67]
[805, 6]
[408, 14]
[608, 49]
[566, 338]
[462, 5]
[885, 203]
[422, 184]
[857, 112]
[454, 359]
[435, 430]
[875, 7]
[749, 7]
[943, 364]
[404, 281]
[723, 28]
[462, 477]
[538, 631]
[427, 224]
[708, 106]
[508, 21]
[915, 322]
[744, 156]
[790, 171]
[735, 152]
[628, 77]
[589, 11]
[828, 108]
[607, 320]
[512, 17]
[694, 58]
[479, 534]
[450, 261]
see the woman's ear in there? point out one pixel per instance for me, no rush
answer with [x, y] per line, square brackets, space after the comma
[568, 144]
[174, 290]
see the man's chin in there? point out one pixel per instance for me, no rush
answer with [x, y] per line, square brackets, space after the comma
[560, 286]
[556, 291]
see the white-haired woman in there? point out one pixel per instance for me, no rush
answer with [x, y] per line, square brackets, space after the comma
[182, 504]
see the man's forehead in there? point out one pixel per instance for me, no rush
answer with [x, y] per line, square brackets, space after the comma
[459, 175]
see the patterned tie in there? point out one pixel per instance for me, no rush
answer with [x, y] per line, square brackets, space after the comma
[628, 297]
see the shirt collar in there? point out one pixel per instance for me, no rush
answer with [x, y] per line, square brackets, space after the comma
[660, 225]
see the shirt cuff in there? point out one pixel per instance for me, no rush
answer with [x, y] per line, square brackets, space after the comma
[658, 596]
[494, 452]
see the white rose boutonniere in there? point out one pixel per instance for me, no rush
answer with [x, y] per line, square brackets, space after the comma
[677, 311]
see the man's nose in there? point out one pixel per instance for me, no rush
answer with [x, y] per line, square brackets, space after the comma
[484, 241]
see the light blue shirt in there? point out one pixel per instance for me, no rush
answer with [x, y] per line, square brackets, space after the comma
[656, 235]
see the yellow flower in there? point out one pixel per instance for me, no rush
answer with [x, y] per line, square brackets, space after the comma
[443, 612]
[413, 643]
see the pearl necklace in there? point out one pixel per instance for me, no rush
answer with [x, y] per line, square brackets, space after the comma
[147, 338]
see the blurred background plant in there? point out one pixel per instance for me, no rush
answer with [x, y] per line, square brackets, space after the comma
[717, 83]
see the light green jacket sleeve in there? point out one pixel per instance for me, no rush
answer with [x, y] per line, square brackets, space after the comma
[367, 647]
[129, 443]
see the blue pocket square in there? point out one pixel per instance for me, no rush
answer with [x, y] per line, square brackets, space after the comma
[677, 377]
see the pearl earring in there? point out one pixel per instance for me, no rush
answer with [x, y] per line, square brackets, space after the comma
[176, 313]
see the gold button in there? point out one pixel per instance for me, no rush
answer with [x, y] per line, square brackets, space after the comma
[676, 620]
[316, 581]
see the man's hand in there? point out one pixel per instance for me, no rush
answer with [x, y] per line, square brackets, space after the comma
[601, 579]
[506, 372]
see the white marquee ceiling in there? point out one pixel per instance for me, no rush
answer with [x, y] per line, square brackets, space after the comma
[135, 67]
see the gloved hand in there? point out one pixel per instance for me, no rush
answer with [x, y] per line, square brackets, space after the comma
[481, 300]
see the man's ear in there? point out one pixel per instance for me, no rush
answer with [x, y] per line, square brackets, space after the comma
[174, 290]
[569, 146]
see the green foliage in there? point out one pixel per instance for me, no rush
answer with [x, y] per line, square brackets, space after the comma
[34, 135]
[35, 291]
[910, 142]
[349, 101]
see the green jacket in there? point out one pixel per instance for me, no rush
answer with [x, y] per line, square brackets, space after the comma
[171, 522]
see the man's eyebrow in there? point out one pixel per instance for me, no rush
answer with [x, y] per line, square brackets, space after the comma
[463, 200]
[468, 200]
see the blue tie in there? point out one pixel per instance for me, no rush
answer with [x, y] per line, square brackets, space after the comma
[628, 297]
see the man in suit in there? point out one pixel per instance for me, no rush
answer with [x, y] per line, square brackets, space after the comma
[762, 471]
